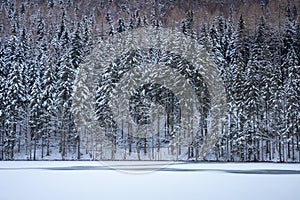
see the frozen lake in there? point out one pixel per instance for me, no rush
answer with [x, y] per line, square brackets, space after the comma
[140, 180]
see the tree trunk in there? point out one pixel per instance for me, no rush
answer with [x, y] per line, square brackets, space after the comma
[129, 139]
[152, 142]
[19, 140]
[270, 150]
[2, 140]
[145, 143]
[30, 144]
[113, 143]
[43, 141]
[228, 149]
[78, 147]
[289, 146]
[293, 147]
[63, 146]
[279, 150]
[48, 145]
[13, 141]
[34, 147]
[158, 135]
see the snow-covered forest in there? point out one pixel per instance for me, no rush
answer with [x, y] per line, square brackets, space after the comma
[255, 45]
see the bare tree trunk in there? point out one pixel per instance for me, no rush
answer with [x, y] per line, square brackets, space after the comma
[289, 146]
[293, 147]
[283, 150]
[62, 145]
[227, 147]
[122, 130]
[43, 141]
[78, 147]
[258, 149]
[113, 143]
[34, 147]
[19, 140]
[273, 147]
[279, 150]
[270, 150]
[30, 145]
[61, 141]
[129, 139]
[262, 149]
[48, 144]
[145, 141]
[152, 142]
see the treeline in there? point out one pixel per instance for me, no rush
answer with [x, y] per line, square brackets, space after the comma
[43, 42]
[261, 73]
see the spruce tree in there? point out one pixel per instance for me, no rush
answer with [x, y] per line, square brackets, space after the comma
[257, 63]
[236, 107]
[2, 98]
[14, 89]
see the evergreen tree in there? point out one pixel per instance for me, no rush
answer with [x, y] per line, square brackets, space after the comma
[38, 126]
[222, 40]
[257, 91]
[135, 21]
[48, 105]
[36, 111]
[2, 99]
[86, 34]
[236, 107]
[187, 24]
[290, 58]
[121, 26]
[289, 51]
[24, 49]
[14, 102]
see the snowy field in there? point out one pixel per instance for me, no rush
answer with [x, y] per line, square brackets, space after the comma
[138, 180]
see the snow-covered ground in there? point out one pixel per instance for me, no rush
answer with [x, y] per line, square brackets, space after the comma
[146, 180]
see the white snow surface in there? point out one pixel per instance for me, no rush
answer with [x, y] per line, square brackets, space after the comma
[147, 180]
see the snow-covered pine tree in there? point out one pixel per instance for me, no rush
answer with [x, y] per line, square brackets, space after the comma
[134, 21]
[24, 49]
[266, 72]
[109, 20]
[203, 37]
[290, 58]
[48, 105]
[256, 90]
[289, 42]
[75, 56]
[186, 24]
[61, 43]
[292, 90]
[79, 104]
[2, 98]
[121, 26]
[35, 109]
[273, 125]
[238, 65]
[38, 101]
[86, 34]
[14, 102]
[221, 40]
[68, 65]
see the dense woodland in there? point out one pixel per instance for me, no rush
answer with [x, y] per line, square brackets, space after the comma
[255, 44]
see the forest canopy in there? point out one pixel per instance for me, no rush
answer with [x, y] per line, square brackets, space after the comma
[255, 44]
